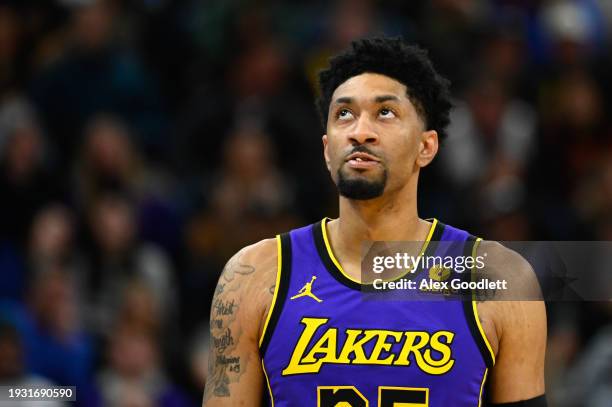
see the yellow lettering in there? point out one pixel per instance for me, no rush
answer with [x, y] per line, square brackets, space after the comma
[354, 346]
[310, 327]
[325, 350]
[325, 346]
[414, 342]
[383, 345]
[445, 363]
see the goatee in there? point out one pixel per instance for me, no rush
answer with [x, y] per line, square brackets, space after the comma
[361, 189]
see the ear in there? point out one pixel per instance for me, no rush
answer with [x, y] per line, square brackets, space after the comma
[428, 148]
[326, 152]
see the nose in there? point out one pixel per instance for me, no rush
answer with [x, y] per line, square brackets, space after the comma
[363, 132]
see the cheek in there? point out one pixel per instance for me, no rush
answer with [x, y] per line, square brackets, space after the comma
[403, 154]
[333, 152]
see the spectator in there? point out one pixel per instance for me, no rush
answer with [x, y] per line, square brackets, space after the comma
[54, 345]
[58, 347]
[25, 181]
[117, 258]
[12, 368]
[110, 159]
[133, 376]
[51, 239]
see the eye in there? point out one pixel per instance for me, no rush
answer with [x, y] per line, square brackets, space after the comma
[386, 113]
[344, 114]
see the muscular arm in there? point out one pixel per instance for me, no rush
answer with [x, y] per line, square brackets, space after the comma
[239, 306]
[515, 328]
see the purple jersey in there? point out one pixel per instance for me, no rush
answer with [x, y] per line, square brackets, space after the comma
[325, 344]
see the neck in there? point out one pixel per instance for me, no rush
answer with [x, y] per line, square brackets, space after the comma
[392, 217]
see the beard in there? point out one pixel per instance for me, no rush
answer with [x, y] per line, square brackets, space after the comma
[361, 189]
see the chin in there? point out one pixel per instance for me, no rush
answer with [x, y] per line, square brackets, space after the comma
[361, 187]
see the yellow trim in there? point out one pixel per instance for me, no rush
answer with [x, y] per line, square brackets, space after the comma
[319, 388]
[434, 223]
[475, 308]
[484, 379]
[279, 264]
[381, 388]
[268, 383]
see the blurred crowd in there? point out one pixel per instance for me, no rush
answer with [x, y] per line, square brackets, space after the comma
[144, 142]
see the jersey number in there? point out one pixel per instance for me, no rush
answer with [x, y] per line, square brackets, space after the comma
[349, 396]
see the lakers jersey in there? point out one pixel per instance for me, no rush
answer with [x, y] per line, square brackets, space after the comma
[323, 344]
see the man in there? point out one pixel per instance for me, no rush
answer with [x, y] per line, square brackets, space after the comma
[385, 109]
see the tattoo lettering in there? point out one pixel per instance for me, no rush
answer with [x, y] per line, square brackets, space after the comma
[225, 367]
[222, 342]
[232, 362]
[223, 308]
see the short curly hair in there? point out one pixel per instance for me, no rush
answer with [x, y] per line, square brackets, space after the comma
[392, 57]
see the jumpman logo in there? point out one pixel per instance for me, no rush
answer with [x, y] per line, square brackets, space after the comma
[306, 291]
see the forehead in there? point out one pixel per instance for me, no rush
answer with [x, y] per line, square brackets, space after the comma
[369, 85]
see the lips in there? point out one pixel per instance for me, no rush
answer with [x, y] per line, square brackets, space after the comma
[362, 157]
[362, 161]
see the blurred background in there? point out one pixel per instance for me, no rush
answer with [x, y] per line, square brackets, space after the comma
[143, 142]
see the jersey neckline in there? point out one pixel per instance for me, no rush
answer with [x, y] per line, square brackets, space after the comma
[334, 267]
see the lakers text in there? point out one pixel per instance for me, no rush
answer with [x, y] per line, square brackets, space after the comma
[431, 351]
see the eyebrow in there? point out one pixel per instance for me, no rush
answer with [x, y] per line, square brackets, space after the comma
[386, 98]
[344, 100]
[378, 99]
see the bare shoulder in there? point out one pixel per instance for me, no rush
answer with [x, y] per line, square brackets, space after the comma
[252, 272]
[259, 258]
[504, 264]
[499, 256]
[250, 275]
[518, 307]
[514, 320]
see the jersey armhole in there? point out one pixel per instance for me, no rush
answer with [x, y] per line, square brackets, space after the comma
[471, 311]
[281, 287]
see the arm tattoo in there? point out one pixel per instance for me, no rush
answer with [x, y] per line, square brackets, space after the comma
[235, 266]
[224, 366]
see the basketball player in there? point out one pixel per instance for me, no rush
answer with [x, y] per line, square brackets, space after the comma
[288, 321]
